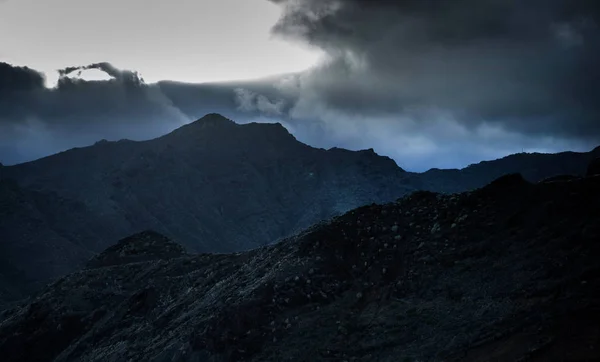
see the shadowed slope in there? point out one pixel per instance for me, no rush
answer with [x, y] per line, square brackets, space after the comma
[213, 185]
[502, 273]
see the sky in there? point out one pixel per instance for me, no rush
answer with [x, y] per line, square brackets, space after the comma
[185, 40]
[430, 83]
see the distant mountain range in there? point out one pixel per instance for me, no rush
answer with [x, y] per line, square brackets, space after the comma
[534, 167]
[508, 272]
[212, 185]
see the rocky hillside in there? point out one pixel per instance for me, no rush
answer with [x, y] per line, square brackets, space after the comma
[507, 272]
[41, 235]
[213, 185]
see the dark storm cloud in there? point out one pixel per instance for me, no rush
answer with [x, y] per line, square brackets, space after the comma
[18, 79]
[19, 90]
[36, 121]
[431, 83]
[529, 67]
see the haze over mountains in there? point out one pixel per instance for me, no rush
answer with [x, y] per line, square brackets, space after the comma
[212, 185]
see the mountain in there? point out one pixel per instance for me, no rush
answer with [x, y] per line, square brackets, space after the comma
[39, 234]
[533, 167]
[507, 272]
[213, 185]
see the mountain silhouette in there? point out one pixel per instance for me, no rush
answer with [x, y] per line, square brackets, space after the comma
[214, 186]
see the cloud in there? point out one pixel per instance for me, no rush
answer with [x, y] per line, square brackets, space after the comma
[528, 69]
[431, 83]
[36, 121]
[417, 142]
[249, 101]
[19, 79]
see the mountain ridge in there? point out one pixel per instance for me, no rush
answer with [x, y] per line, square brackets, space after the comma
[213, 185]
[213, 119]
[505, 272]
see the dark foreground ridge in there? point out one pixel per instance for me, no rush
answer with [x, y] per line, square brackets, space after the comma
[507, 272]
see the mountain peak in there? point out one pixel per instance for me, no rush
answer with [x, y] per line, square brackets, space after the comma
[214, 126]
[213, 121]
[213, 118]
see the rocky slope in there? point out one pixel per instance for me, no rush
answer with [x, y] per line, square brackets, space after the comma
[507, 272]
[40, 234]
[213, 185]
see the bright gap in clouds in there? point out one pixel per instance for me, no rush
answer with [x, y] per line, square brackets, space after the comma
[90, 74]
[183, 40]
